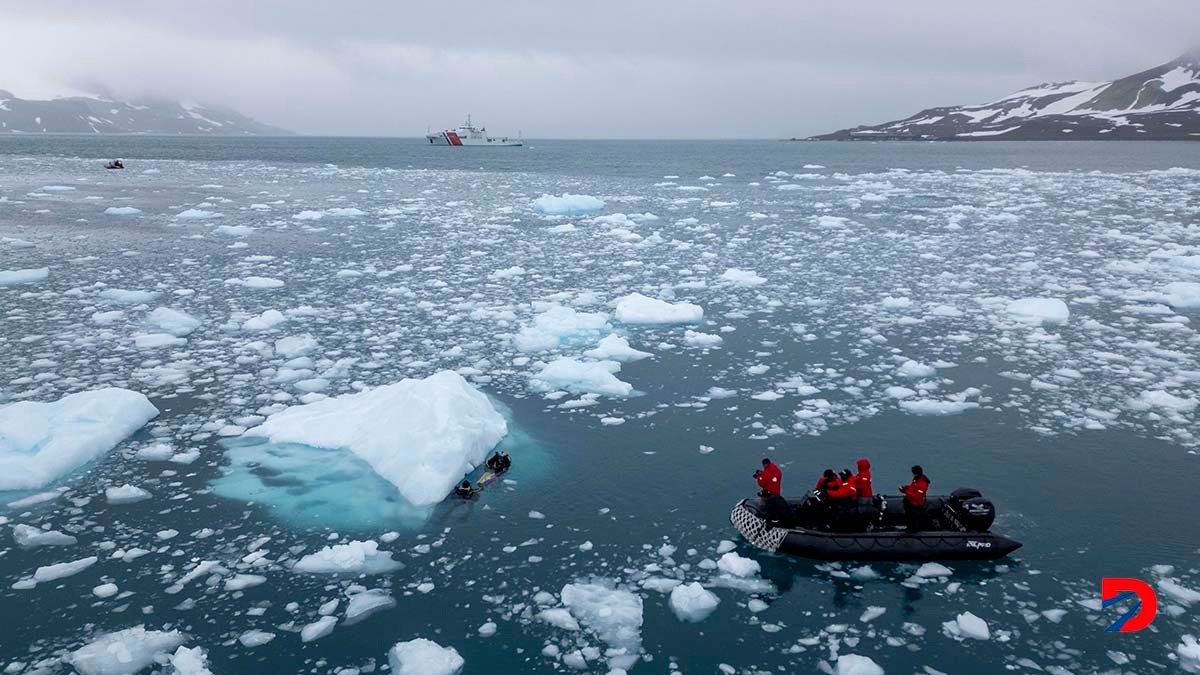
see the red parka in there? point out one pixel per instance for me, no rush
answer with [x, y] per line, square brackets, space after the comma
[862, 479]
[914, 492]
[837, 489]
[770, 478]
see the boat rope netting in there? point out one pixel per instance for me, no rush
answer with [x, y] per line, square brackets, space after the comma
[755, 529]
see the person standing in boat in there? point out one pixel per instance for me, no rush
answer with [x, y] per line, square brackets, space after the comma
[914, 498]
[862, 481]
[769, 478]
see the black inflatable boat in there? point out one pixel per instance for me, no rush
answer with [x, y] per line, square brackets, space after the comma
[955, 527]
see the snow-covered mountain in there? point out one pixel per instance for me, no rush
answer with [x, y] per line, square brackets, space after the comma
[1161, 103]
[80, 114]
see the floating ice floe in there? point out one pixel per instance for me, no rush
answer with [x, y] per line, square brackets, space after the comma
[258, 283]
[1188, 653]
[424, 657]
[636, 308]
[967, 625]
[191, 661]
[126, 494]
[567, 205]
[124, 651]
[613, 614]
[616, 348]
[41, 442]
[558, 326]
[122, 211]
[581, 377]
[28, 536]
[692, 602]
[1039, 310]
[26, 276]
[422, 436]
[352, 558]
[234, 230]
[738, 277]
[855, 664]
[127, 297]
[172, 321]
[197, 214]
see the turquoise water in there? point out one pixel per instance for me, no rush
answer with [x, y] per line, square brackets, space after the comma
[1088, 475]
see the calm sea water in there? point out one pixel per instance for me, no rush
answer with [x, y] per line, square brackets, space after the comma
[872, 255]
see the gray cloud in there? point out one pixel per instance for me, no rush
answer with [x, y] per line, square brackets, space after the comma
[572, 69]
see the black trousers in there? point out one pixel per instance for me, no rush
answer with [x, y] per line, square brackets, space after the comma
[914, 517]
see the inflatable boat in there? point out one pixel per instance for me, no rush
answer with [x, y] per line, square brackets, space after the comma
[954, 527]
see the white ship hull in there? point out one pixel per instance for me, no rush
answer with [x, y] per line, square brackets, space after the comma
[468, 134]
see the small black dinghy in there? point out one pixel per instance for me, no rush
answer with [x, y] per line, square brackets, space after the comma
[954, 528]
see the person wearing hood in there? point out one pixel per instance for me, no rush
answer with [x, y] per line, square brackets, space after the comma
[862, 482]
[769, 478]
[914, 498]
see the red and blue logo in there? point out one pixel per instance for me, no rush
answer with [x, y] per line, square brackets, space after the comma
[1114, 590]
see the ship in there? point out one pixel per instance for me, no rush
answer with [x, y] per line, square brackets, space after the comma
[469, 134]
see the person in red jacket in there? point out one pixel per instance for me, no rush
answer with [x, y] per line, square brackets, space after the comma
[769, 478]
[914, 498]
[862, 482]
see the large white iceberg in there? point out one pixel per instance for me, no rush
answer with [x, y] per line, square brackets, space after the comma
[567, 205]
[41, 442]
[125, 651]
[637, 308]
[420, 435]
[424, 657]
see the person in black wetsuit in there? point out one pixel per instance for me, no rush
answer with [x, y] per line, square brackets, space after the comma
[465, 491]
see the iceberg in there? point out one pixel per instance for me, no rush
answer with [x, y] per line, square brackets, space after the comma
[581, 377]
[172, 321]
[636, 308]
[354, 558]
[29, 276]
[422, 436]
[692, 602]
[738, 277]
[424, 657]
[1039, 310]
[124, 651]
[854, 664]
[558, 325]
[567, 205]
[41, 442]
[614, 615]
[616, 348]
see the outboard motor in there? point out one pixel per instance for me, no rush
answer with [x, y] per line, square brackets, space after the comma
[974, 510]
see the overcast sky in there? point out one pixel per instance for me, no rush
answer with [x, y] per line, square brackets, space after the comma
[574, 69]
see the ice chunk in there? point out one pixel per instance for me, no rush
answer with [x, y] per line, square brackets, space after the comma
[702, 340]
[295, 345]
[1038, 310]
[126, 494]
[1178, 592]
[1157, 398]
[28, 536]
[738, 277]
[41, 442]
[62, 570]
[125, 296]
[26, 276]
[967, 625]
[366, 603]
[574, 375]
[122, 211]
[420, 435]
[190, 661]
[558, 325]
[736, 565]
[352, 558]
[172, 321]
[854, 664]
[234, 230]
[692, 602]
[915, 370]
[567, 205]
[614, 615]
[105, 590]
[559, 618]
[123, 652]
[1188, 652]
[424, 657]
[616, 348]
[927, 406]
[636, 308]
[259, 283]
[255, 638]
[197, 214]
[318, 629]
[931, 570]
[265, 321]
